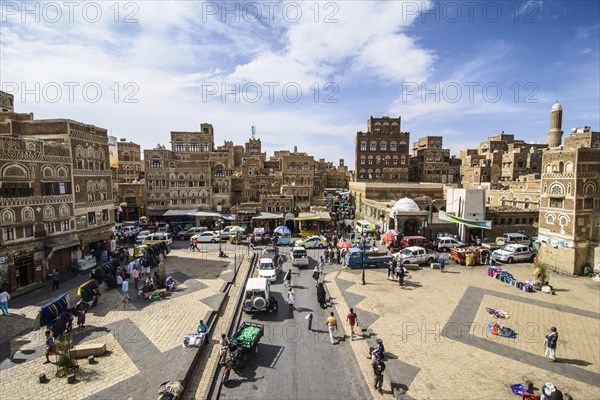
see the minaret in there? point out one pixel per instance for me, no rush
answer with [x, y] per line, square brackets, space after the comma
[555, 133]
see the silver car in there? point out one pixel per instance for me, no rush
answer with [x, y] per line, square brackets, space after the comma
[514, 252]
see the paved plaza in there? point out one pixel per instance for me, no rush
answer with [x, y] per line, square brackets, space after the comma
[143, 338]
[435, 332]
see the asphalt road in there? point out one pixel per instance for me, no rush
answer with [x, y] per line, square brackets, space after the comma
[292, 362]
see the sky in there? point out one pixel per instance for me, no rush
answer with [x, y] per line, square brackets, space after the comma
[305, 73]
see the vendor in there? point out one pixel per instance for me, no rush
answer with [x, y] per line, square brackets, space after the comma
[202, 327]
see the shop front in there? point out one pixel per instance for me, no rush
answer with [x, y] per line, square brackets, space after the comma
[60, 255]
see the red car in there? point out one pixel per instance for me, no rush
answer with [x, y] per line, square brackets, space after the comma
[421, 241]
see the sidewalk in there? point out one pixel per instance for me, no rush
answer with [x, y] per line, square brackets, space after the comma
[435, 335]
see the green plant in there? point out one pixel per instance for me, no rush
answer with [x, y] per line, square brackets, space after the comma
[541, 273]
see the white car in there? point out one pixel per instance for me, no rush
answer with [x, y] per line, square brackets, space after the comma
[141, 236]
[128, 231]
[312, 242]
[158, 237]
[299, 257]
[447, 243]
[414, 255]
[266, 268]
[229, 231]
[206, 237]
[514, 252]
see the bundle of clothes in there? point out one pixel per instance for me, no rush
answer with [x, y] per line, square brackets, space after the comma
[504, 276]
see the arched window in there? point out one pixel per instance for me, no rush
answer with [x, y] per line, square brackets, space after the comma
[219, 171]
[383, 146]
[62, 172]
[362, 160]
[373, 146]
[569, 167]
[27, 214]
[393, 146]
[363, 146]
[47, 172]
[557, 188]
[563, 220]
[550, 219]
[589, 188]
[90, 152]
[8, 216]
[90, 186]
[48, 212]
[64, 211]
[548, 168]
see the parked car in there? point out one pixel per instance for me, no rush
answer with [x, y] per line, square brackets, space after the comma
[158, 237]
[267, 268]
[141, 236]
[229, 231]
[414, 255]
[188, 233]
[129, 231]
[514, 252]
[421, 241]
[206, 237]
[271, 252]
[299, 257]
[312, 242]
[257, 296]
[508, 238]
[447, 243]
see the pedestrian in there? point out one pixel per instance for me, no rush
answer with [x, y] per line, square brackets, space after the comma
[55, 279]
[378, 368]
[136, 277]
[551, 340]
[4, 298]
[316, 274]
[351, 318]
[401, 272]
[291, 299]
[442, 262]
[392, 268]
[82, 307]
[326, 254]
[224, 342]
[321, 295]
[125, 290]
[321, 264]
[50, 346]
[202, 327]
[309, 319]
[331, 323]
[338, 256]
[194, 246]
[287, 279]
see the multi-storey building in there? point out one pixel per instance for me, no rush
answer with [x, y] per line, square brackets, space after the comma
[191, 175]
[56, 198]
[570, 198]
[430, 162]
[298, 175]
[500, 158]
[129, 179]
[381, 153]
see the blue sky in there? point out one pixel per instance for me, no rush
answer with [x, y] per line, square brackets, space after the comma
[305, 73]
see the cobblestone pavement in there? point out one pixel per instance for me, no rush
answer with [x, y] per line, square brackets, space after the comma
[143, 338]
[435, 333]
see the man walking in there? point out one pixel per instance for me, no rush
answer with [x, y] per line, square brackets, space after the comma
[291, 299]
[551, 344]
[309, 319]
[332, 326]
[125, 290]
[4, 298]
[442, 262]
[195, 244]
[378, 368]
[136, 277]
[55, 279]
[401, 272]
[392, 268]
[351, 318]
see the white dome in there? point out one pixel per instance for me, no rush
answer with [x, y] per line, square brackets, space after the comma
[556, 107]
[404, 205]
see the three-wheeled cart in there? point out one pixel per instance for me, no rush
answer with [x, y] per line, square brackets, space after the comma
[248, 336]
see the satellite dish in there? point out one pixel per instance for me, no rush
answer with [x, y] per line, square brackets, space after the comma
[573, 130]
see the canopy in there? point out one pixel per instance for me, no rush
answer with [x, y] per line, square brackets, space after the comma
[374, 227]
[282, 230]
[268, 215]
[474, 223]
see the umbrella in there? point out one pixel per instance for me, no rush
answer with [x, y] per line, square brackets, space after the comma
[388, 237]
[282, 230]
[344, 245]
[393, 232]
[237, 229]
[374, 227]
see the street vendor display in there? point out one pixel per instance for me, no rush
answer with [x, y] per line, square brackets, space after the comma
[465, 255]
[500, 330]
[497, 313]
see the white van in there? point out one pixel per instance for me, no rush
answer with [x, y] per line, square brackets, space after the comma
[511, 238]
[299, 257]
[158, 237]
[364, 226]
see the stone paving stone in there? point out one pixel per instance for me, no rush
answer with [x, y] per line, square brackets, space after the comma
[452, 363]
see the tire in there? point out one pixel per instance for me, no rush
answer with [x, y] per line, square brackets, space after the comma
[321, 245]
[181, 237]
[430, 260]
[510, 260]
[444, 249]
[213, 241]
